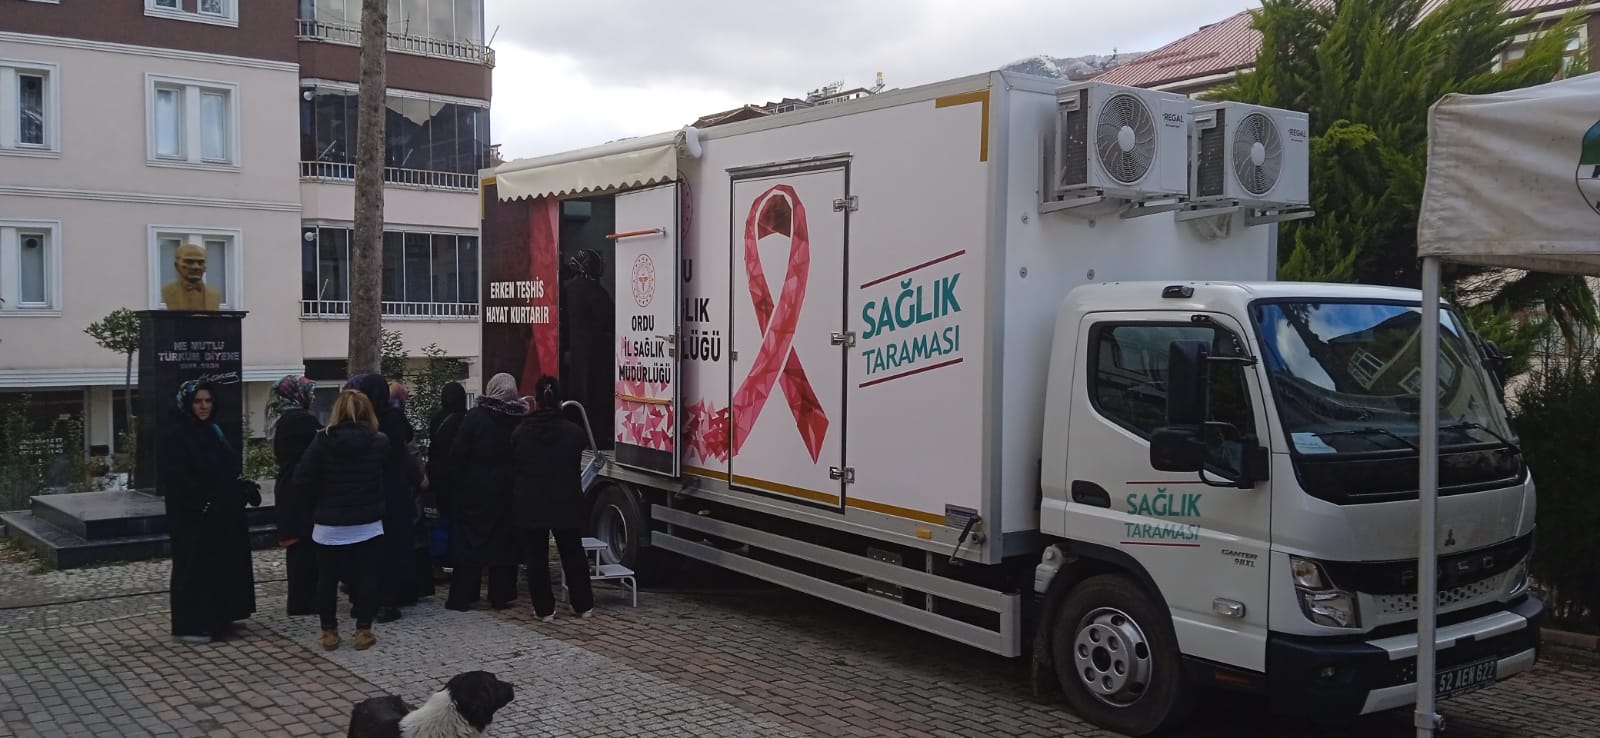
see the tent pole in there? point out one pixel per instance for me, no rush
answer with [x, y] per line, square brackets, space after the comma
[1426, 719]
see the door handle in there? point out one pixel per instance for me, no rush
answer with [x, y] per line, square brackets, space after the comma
[1089, 493]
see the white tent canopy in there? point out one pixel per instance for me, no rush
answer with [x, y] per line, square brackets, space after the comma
[1513, 181]
[1514, 178]
[631, 162]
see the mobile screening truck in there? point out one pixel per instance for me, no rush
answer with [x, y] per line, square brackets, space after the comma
[1004, 360]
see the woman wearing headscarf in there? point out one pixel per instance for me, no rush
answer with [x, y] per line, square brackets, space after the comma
[481, 534]
[292, 427]
[199, 476]
[588, 316]
[422, 565]
[398, 580]
[442, 430]
[548, 499]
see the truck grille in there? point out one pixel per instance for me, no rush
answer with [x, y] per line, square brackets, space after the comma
[1399, 607]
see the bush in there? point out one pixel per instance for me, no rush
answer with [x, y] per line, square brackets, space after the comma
[1560, 434]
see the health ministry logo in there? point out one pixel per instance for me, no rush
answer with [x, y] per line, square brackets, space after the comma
[1588, 175]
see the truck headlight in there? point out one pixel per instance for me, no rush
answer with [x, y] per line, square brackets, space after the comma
[1319, 600]
[1334, 609]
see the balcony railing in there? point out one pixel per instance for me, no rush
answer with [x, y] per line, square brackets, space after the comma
[314, 30]
[327, 171]
[340, 310]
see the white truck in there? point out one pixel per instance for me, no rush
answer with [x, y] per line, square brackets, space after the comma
[1004, 360]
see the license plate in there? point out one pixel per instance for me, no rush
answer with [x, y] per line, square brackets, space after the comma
[1459, 680]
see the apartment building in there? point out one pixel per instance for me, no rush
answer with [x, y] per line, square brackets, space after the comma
[131, 127]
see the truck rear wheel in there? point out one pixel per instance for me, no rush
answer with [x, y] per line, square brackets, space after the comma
[617, 517]
[1117, 658]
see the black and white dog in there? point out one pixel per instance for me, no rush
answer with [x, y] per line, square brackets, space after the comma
[462, 709]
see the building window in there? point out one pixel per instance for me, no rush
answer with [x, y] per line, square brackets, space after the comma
[195, 268]
[193, 123]
[29, 108]
[425, 274]
[431, 141]
[30, 267]
[220, 12]
[445, 20]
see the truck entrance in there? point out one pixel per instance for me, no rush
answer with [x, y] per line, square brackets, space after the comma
[587, 335]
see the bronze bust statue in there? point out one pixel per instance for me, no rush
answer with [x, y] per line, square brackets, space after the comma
[190, 291]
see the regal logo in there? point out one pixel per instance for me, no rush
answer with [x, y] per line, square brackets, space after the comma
[1588, 174]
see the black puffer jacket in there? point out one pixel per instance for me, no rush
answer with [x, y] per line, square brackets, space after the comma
[547, 491]
[342, 475]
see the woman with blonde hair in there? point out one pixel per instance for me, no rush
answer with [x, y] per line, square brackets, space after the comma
[341, 475]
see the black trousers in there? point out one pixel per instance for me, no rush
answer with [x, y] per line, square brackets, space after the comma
[467, 581]
[300, 560]
[574, 569]
[360, 566]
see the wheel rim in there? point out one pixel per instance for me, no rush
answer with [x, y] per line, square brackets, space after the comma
[1112, 657]
[612, 528]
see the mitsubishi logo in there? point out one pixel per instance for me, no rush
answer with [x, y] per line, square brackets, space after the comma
[1449, 537]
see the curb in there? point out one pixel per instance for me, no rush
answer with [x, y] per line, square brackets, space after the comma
[1565, 647]
[1569, 640]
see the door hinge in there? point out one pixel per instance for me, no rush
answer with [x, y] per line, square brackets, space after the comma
[850, 203]
[846, 339]
[848, 474]
[672, 346]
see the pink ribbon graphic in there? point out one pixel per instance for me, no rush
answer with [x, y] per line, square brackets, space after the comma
[778, 210]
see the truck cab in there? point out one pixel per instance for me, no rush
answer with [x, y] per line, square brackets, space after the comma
[1231, 471]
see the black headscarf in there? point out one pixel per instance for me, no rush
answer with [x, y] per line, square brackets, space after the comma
[186, 393]
[452, 400]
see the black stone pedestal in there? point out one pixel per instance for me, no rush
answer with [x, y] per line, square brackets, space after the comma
[68, 531]
[175, 347]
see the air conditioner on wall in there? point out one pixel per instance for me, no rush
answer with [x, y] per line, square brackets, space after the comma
[1117, 143]
[1250, 156]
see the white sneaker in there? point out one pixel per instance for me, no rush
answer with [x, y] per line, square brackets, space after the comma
[548, 618]
[586, 614]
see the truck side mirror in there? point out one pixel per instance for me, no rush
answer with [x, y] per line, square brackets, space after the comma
[1495, 361]
[1187, 382]
[1177, 449]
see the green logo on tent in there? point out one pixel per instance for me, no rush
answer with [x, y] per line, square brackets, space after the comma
[1588, 174]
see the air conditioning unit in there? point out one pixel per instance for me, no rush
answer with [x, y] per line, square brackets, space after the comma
[1251, 156]
[1117, 142]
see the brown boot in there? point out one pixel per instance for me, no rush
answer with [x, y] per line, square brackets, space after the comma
[330, 640]
[365, 639]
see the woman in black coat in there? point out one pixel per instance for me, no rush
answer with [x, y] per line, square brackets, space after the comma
[548, 499]
[199, 478]
[342, 476]
[399, 580]
[481, 535]
[292, 426]
[443, 428]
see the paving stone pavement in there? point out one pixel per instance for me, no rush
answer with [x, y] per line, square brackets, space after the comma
[86, 653]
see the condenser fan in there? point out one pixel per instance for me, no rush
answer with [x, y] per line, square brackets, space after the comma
[1257, 154]
[1126, 138]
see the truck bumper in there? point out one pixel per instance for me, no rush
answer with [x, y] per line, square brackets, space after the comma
[1315, 677]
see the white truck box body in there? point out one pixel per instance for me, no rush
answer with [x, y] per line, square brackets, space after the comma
[946, 181]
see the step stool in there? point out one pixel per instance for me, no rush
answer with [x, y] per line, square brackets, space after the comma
[599, 572]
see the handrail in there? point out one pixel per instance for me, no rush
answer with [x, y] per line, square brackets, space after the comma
[341, 33]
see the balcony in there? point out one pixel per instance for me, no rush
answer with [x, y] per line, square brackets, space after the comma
[434, 311]
[314, 30]
[422, 179]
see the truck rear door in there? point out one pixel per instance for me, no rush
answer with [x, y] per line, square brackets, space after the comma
[647, 382]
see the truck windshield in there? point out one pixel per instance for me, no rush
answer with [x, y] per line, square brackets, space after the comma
[1348, 379]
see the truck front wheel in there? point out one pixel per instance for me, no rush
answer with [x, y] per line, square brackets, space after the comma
[1117, 658]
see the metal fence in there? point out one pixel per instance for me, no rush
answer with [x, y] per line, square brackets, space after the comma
[327, 171]
[445, 49]
[340, 310]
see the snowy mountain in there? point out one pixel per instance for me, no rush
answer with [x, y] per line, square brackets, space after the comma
[1071, 67]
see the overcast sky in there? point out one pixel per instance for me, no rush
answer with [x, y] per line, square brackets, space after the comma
[576, 74]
